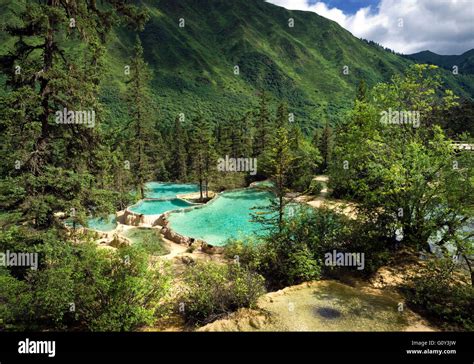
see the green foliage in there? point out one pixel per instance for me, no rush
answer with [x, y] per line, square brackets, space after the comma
[277, 162]
[149, 240]
[297, 253]
[138, 102]
[301, 266]
[315, 187]
[262, 125]
[214, 290]
[306, 160]
[446, 296]
[202, 154]
[84, 287]
[281, 264]
[323, 140]
[407, 177]
[59, 166]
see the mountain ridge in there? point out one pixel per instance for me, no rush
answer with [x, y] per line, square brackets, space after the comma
[464, 61]
[194, 66]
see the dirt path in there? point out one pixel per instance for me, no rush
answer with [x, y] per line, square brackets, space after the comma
[324, 201]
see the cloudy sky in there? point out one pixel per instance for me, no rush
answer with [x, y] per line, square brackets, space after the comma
[406, 26]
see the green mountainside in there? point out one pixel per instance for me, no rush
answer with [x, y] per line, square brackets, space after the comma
[464, 62]
[193, 66]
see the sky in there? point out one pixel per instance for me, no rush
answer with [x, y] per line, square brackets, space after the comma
[406, 26]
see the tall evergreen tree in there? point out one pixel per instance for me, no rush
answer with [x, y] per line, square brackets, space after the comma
[278, 161]
[138, 100]
[262, 126]
[325, 146]
[203, 160]
[179, 159]
[49, 160]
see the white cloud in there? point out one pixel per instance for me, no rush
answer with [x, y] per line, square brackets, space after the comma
[442, 26]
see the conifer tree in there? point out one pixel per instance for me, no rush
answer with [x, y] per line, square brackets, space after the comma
[325, 146]
[50, 157]
[141, 126]
[262, 126]
[179, 159]
[203, 159]
[278, 163]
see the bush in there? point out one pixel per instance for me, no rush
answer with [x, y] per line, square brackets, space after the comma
[315, 187]
[250, 254]
[280, 265]
[443, 294]
[294, 255]
[214, 290]
[85, 288]
[301, 266]
[302, 183]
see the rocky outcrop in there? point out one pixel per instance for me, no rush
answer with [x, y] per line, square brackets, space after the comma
[324, 306]
[175, 237]
[133, 219]
[119, 241]
[162, 220]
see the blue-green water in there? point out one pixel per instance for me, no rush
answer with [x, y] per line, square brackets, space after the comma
[156, 207]
[98, 223]
[229, 216]
[168, 190]
[107, 224]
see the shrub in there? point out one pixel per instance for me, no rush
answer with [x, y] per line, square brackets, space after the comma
[214, 290]
[250, 254]
[294, 255]
[85, 288]
[119, 291]
[301, 266]
[302, 183]
[443, 294]
[315, 187]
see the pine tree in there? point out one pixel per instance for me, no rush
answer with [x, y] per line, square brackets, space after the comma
[325, 146]
[138, 100]
[179, 158]
[203, 158]
[49, 166]
[278, 162]
[262, 126]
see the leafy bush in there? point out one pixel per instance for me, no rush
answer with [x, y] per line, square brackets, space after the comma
[315, 187]
[250, 253]
[295, 254]
[86, 288]
[214, 290]
[302, 183]
[301, 266]
[443, 294]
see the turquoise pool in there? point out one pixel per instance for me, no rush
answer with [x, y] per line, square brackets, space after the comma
[226, 217]
[156, 207]
[98, 223]
[101, 224]
[168, 190]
